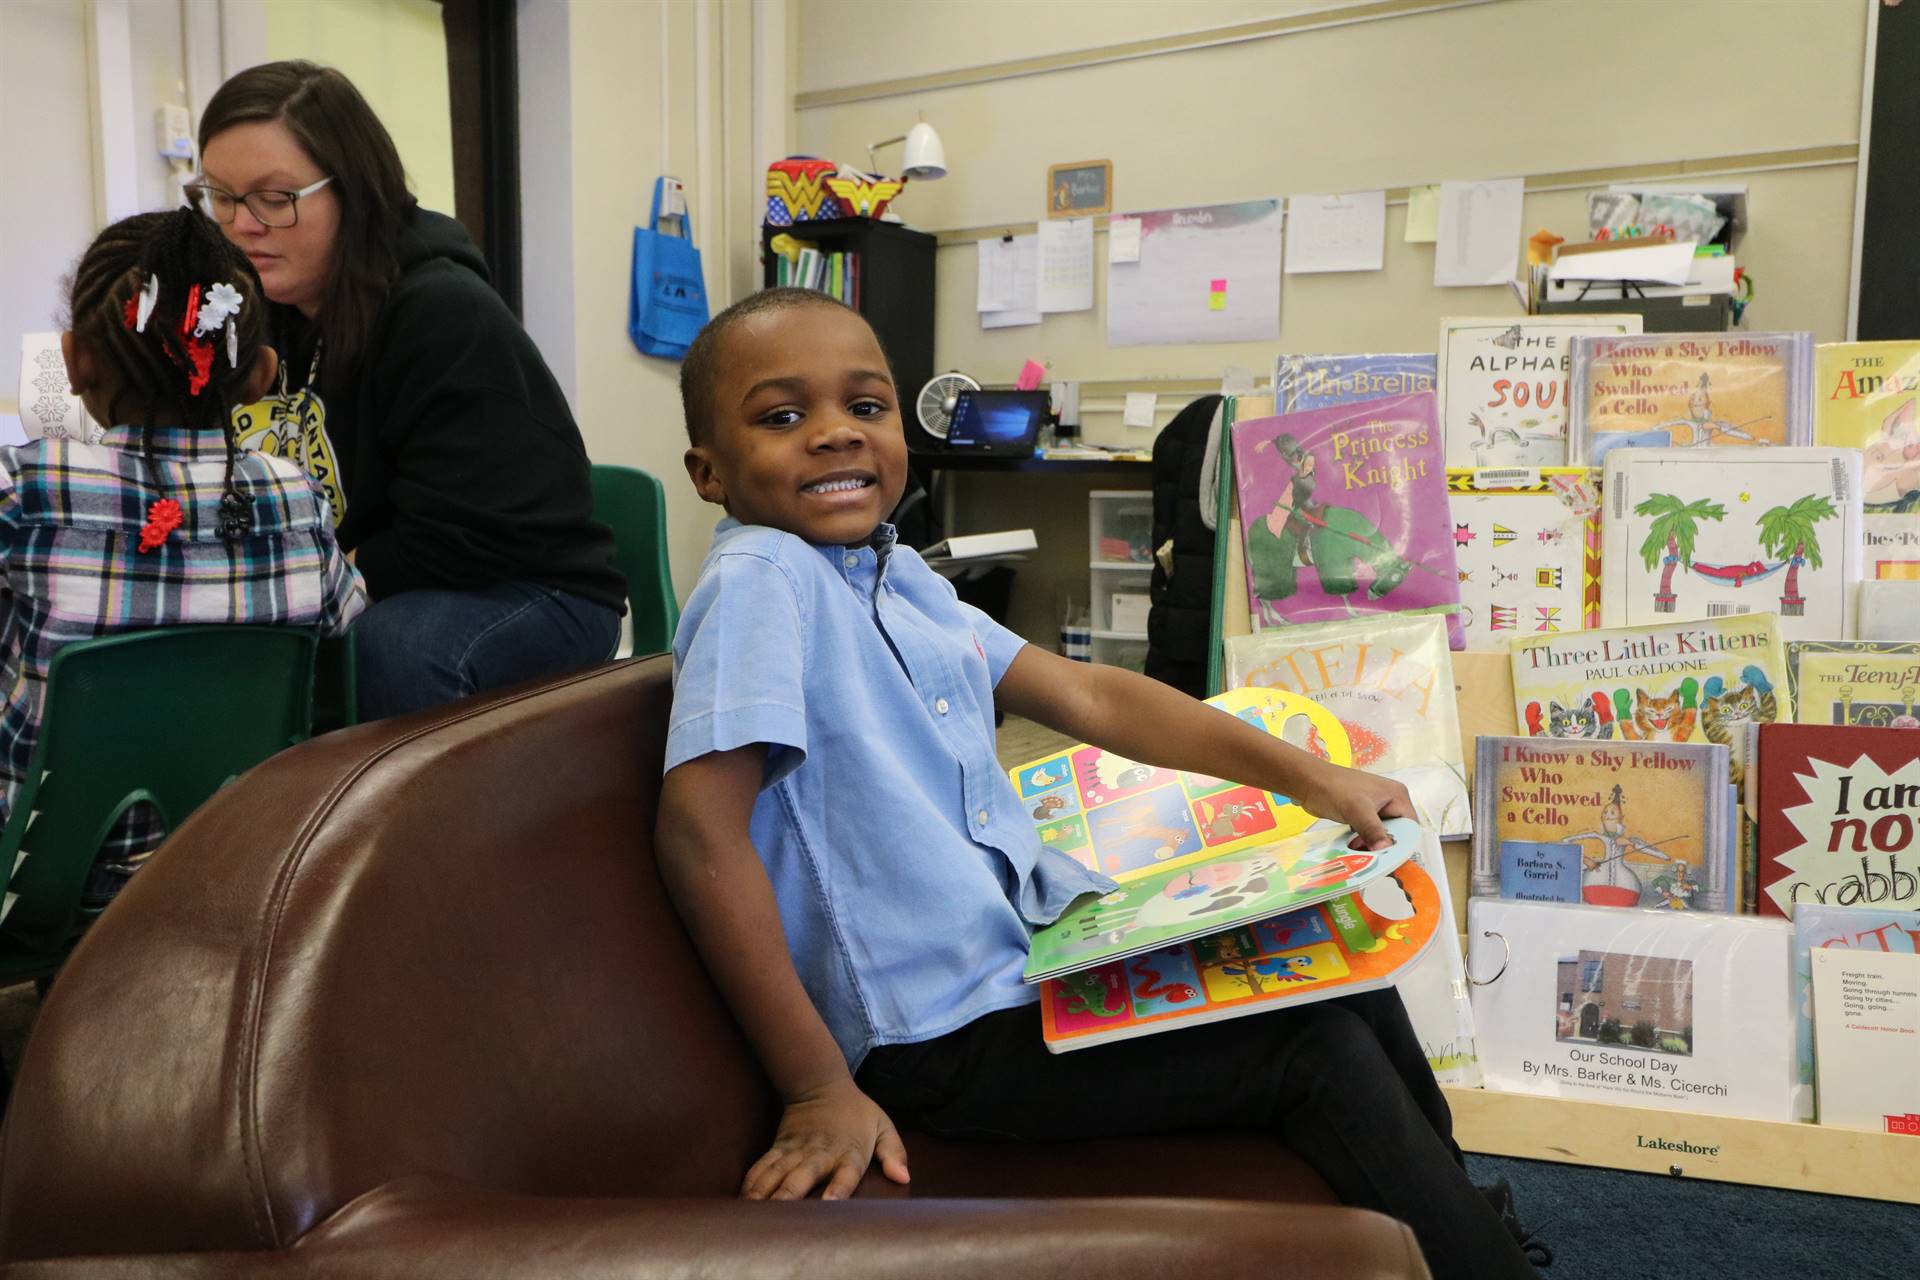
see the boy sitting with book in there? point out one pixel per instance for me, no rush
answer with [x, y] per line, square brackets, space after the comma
[860, 878]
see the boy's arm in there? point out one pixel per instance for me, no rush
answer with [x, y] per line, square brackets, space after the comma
[830, 1129]
[1156, 724]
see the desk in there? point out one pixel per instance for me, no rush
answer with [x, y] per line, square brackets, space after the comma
[980, 494]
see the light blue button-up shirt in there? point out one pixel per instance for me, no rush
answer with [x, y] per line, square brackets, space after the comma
[908, 875]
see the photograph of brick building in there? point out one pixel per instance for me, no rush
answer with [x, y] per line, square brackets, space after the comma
[1613, 997]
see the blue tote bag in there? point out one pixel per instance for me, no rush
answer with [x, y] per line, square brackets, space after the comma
[667, 302]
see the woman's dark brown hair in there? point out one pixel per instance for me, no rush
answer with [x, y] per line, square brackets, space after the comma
[339, 131]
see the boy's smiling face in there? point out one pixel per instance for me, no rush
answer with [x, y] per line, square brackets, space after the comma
[804, 432]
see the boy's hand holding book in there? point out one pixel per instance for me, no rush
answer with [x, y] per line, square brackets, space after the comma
[1354, 797]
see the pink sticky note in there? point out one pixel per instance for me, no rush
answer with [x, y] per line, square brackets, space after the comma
[1030, 374]
[1219, 286]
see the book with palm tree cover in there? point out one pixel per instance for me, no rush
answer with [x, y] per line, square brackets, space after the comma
[1696, 533]
[1689, 390]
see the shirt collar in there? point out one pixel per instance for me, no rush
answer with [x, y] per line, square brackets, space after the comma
[171, 444]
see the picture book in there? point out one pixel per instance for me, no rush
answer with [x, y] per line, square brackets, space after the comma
[1702, 681]
[1503, 385]
[1713, 533]
[1878, 689]
[1320, 382]
[1224, 892]
[1647, 822]
[1865, 398]
[1875, 649]
[1839, 811]
[1434, 988]
[1527, 548]
[1866, 1023]
[1689, 390]
[1126, 820]
[1817, 926]
[1681, 1010]
[1349, 944]
[1868, 394]
[1389, 680]
[1336, 509]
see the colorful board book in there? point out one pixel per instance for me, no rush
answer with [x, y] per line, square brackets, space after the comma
[1389, 680]
[1691, 390]
[1680, 1010]
[1712, 533]
[1526, 545]
[1127, 820]
[1867, 397]
[1607, 824]
[1336, 511]
[1703, 681]
[1503, 385]
[1319, 382]
[1817, 926]
[1839, 817]
[1223, 892]
[1346, 945]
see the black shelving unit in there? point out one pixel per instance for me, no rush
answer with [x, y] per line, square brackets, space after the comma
[896, 288]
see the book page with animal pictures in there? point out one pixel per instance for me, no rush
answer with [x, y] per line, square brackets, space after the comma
[1689, 390]
[1503, 385]
[1126, 820]
[1225, 891]
[1349, 944]
[1389, 680]
[1706, 534]
[1605, 824]
[1528, 557]
[1687, 681]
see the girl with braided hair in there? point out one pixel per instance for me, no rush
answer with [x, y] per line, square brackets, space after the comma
[166, 521]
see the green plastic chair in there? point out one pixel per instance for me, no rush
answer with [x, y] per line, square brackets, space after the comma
[167, 716]
[634, 505]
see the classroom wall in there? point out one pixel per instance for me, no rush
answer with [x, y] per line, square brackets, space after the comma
[1497, 88]
[1502, 88]
[642, 89]
[395, 52]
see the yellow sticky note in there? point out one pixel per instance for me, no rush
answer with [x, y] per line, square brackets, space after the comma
[1423, 215]
[1216, 302]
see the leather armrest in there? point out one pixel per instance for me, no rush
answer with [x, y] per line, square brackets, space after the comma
[429, 1227]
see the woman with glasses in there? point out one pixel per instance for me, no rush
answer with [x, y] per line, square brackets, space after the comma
[412, 396]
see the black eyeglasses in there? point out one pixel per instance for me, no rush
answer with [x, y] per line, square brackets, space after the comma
[271, 208]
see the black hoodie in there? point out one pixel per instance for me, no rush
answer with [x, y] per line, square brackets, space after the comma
[460, 462]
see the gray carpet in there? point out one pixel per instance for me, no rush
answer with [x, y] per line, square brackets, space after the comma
[1606, 1225]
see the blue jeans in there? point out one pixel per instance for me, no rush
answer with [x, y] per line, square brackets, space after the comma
[424, 648]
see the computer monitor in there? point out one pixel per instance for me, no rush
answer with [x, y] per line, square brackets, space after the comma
[997, 422]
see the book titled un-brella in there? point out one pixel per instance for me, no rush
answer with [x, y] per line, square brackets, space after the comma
[1228, 903]
[1342, 513]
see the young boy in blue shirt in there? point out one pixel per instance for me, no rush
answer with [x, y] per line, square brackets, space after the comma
[860, 878]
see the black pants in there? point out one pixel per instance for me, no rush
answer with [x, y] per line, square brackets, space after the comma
[1343, 1083]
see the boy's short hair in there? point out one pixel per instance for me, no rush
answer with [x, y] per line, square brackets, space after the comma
[699, 367]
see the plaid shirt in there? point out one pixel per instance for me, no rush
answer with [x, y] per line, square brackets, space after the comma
[70, 521]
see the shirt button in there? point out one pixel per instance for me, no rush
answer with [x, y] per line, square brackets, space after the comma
[940, 705]
[852, 560]
[981, 817]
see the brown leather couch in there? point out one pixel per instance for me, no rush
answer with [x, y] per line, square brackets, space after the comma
[408, 1000]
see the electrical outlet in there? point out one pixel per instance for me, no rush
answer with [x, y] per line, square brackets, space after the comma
[173, 132]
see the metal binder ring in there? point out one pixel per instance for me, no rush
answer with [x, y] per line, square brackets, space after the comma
[1506, 957]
